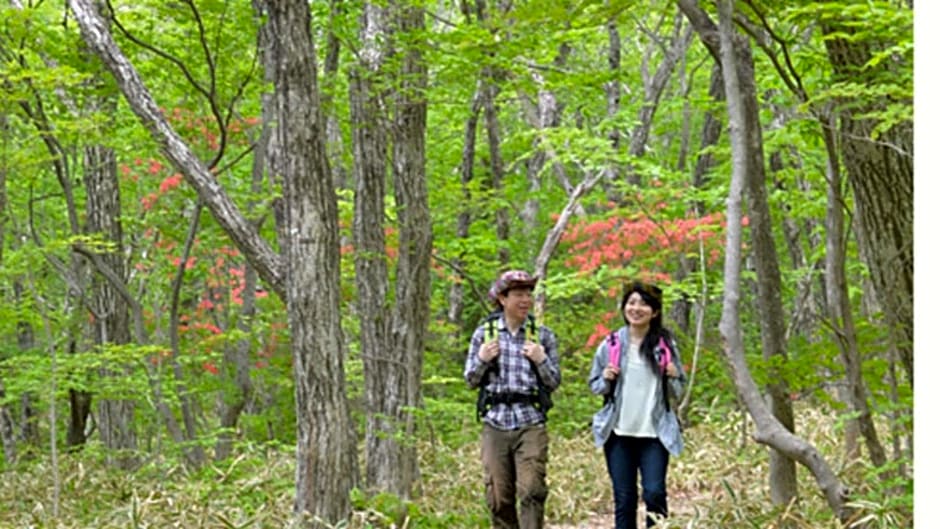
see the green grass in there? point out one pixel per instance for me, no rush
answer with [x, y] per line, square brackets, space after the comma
[719, 481]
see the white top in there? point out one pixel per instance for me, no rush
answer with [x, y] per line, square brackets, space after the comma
[637, 396]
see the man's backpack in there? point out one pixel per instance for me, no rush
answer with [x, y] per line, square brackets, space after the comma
[540, 398]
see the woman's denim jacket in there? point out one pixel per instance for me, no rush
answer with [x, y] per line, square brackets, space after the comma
[603, 422]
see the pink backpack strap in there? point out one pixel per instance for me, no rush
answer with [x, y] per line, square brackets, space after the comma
[613, 349]
[667, 353]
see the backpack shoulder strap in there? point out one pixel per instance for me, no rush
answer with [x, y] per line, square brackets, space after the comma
[613, 349]
[533, 328]
[491, 331]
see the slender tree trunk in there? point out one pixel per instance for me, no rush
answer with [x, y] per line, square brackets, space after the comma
[28, 428]
[79, 412]
[193, 452]
[413, 273]
[839, 307]
[769, 430]
[7, 431]
[236, 366]
[7, 425]
[749, 141]
[456, 298]
[334, 134]
[370, 153]
[491, 119]
[653, 89]
[545, 115]
[612, 93]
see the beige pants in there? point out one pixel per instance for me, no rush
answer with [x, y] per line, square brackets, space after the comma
[514, 466]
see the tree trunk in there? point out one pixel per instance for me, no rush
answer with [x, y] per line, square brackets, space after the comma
[236, 371]
[839, 306]
[194, 455]
[7, 426]
[111, 322]
[491, 119]
[545, 114]
[881, 172]
[370, 148]
[413, 273]
[237, 367]
[612, 93]
[456, 298]
[334, 134]
[773, 338]
[326, 447]
[769, 429]
[7, 431]
[79, 411]
[326, 454]
[653, 89]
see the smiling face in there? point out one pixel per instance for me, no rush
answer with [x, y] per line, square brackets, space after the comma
[638, 312]
[516, 303]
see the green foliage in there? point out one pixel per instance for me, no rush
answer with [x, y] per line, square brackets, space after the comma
[653, 230]
[719, 479]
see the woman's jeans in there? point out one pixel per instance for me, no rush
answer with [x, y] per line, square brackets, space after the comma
[625, 456]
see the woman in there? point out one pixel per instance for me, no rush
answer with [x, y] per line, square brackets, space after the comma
[634, 369]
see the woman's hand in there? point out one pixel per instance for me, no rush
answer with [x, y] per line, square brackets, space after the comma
[671, 370]
[611, 372]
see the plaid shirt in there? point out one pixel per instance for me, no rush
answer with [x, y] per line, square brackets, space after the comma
[513, 373]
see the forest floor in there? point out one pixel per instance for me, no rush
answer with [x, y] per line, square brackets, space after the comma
[720, 480]
[681, 503]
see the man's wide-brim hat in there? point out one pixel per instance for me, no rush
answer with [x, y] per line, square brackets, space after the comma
[509, 280]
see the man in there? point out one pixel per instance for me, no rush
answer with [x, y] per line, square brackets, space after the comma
[508, 366]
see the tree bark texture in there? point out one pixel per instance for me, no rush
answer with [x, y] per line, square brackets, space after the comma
[326, 445]
[110, 315]
[415, 243]
[881, 171]
[370, 154]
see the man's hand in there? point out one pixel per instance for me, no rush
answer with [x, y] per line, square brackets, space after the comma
[489, 350]
[534, 351]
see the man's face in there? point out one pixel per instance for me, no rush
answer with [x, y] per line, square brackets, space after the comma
[517, 302]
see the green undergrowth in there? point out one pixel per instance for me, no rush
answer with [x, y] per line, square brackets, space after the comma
[719, 481]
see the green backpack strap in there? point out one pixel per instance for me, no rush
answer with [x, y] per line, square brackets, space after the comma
[490, 333]
[544, 402]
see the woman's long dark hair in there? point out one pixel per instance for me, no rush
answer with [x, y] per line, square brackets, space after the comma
[652, 296]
